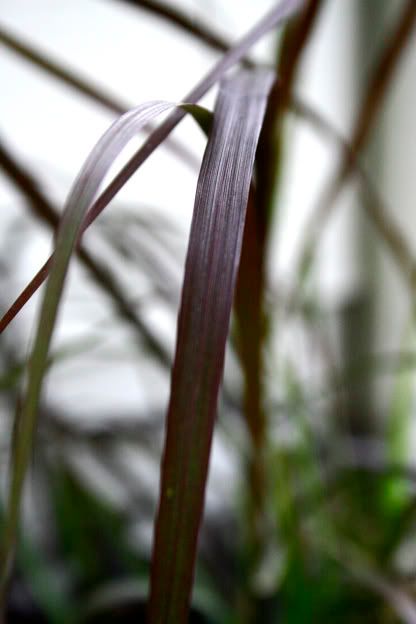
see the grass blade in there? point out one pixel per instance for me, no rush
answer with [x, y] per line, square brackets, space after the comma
[208, 290]
[289, 56]
[82, 194]
[250, 334]
[281, 12]
[44, 210]
[252, 321]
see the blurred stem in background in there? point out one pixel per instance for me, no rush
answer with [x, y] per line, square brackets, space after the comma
[251, 320]
[357, 315]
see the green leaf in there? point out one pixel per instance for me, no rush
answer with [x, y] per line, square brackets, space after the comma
[397, 493]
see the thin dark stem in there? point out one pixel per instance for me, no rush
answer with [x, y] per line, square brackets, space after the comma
[251, 319]
[178, 18]
[64, 74]
[377, 212]
[95, 93]
[271, 144]
[377, 88]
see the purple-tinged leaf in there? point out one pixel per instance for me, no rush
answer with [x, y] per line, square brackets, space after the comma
[281, 12]
[42, 207]
[79, 200]
[208, 290]
[276, 16]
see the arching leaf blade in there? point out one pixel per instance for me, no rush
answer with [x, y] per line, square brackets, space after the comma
[79, 200]
[208, 290]
[274, 18]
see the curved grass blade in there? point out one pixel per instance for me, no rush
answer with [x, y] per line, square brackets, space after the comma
[208, 290]
[44, 210]
[281, 12]
[274, 18]
[80, 198]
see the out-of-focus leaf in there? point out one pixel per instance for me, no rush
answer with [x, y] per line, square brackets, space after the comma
[378, 84]
[276, 16]
[62, 73]
[129, 595]
[173, 15]
[44, 586]
[269, 158]
[10, 378]
[250, 334]
[91, 534]
[208, 290]
[396, 493]
[86, 87]
[358, 567]
[377, 212]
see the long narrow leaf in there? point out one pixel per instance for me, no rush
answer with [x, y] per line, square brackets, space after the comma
[208, 290]
[250, 314]
[276, 16]
[281, 12]
[79, 200]
[42, 207]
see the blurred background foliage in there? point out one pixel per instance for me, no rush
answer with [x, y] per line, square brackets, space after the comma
[310, 511]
